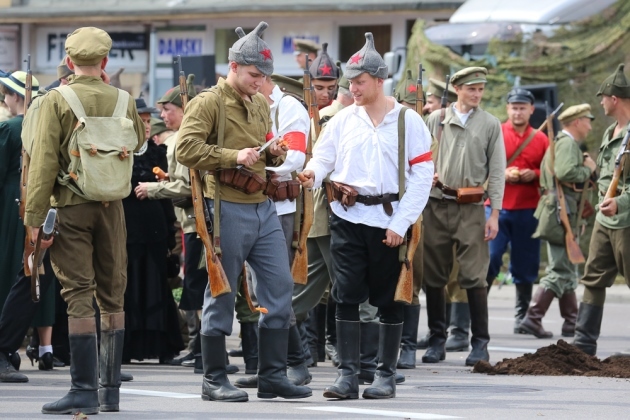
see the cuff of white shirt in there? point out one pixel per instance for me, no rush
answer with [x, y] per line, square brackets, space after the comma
[398, 226]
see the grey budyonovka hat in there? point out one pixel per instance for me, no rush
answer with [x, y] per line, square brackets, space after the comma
[250, 49]
[367, 60]
[323, 67]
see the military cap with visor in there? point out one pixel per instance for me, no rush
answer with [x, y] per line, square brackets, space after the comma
[63, 71]
[436, 88]
[288, 85]
[406, 91]
[173, 94]
[469, 76]
[616, 84]
[343, 81]
[323, 67]
[88, 46]
[367, 60]
[16, 82]
[574, 112]
[158, 126]
[301, 46]
[251, 50]
[520, 96]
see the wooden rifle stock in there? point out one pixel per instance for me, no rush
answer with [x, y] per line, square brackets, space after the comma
[29, 246]
[299, 266]
[620, 162]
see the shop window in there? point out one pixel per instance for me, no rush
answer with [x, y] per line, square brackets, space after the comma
[352, 39]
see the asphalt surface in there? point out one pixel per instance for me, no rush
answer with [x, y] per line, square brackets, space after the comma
[442, 391]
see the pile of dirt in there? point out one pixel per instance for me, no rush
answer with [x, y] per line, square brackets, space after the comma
[558, 360]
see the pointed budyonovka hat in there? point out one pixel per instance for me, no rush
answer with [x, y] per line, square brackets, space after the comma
[367, 60]
[574, 112]
[323, 67]
[436, 88]
[616, 84]
[250, 50]
[16, 82]
[406, 90]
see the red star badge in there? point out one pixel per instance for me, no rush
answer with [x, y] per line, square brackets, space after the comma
[325, 70]
[266, 53]
[412, 88]
[355, 59]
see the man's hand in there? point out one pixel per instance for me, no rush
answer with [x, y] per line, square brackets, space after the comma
[527, 175]
[392, 239]
[492, 226]
[307, 178]
[512, 174]
[435, 180]
[248, 157]
[45, 243]
[589, 162]
[608, 207]
[278, 148]
[105, 77]
[142, 190]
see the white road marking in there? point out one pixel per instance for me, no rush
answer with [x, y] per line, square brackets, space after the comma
[383, 413]
[511, 349]
[149, 393]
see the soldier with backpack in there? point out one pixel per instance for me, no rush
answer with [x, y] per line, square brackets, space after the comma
[81, 164]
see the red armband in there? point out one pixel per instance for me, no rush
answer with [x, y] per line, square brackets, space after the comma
[425, 157]
[269, 136]
[295, 140]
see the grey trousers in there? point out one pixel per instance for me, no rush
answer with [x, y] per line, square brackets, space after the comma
[251, 232]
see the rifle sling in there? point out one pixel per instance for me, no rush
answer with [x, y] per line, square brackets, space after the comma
[402, 250]
[217, 185]
[521, 148]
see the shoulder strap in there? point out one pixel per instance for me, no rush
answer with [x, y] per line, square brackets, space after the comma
[402, 166]
[121, 104]
[521, 147]
[217, 185]
[73, 100]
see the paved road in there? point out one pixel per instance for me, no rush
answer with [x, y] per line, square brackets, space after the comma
[442, 391]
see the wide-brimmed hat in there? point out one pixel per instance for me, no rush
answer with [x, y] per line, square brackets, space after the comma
[143, 108]
[16, 82]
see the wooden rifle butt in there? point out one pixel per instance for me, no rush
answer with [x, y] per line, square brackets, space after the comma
[404, 287]
[574, 251]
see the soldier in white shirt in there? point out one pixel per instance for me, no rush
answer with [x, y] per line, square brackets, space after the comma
[359, 148]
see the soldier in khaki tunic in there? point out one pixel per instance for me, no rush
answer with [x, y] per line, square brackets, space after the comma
[249, 223]
[470, 151]
[573, 170]
[609, 250]
[89, 256]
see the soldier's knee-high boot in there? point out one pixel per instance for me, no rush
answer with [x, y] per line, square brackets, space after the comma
[587, 327]
[216, 386]
[458, 339]
[297, 371]
[368, 350]
[409, 339]
[532, 323]
[272, 359]
[384, 385]
[331, 332]
[346, 385]
[478, 302]
[523, 298]
[83, 394]
[568, 311]
[112, 338]
[249, 338]
[436, 313]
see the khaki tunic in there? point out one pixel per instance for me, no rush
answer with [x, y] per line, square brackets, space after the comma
[53, 130]
[246, 125]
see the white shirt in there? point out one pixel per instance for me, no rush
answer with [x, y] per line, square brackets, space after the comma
[463, 117]
[293, 120]
[568, 134]
[366, 157]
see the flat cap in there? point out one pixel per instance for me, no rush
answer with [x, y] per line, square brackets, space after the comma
[574, 112]
[469, 76]
[173, 94]
[16, 82]
[520, 96]
[616, 84]
[301, 46]
[250, 50]
[436, 88]
[323, 67]
[407, 90]
[142, 107]
[367, 60]
[88, 46]
[62, 70]
[157, 127]
[288, 85]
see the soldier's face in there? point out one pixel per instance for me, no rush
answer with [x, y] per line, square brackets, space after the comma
[172, 116]
[324, 91]
[433, 103]
[470, 95]
[584, 127]
[365, 88]
[146, 119]
[519, 113]
[608, 103]
[249, 79]
[11, 101]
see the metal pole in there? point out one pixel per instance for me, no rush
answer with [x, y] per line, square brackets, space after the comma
[152, 66]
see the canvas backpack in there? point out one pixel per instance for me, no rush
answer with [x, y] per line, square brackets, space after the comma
[101, 158]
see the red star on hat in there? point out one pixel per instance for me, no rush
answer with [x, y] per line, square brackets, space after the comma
[355, 59]
[266, 53]
[412, 88]
[326, 70]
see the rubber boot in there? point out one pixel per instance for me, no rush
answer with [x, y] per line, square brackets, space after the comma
[478, 303]
[331, 332]
[458, 339]
[346, 385]
[587, 327]
[532, 323]
[523, 299]
[8, 373]
[249, 337]
[368, 350]
[83, 394]
[272, 377]
[384, 385]
[568, 311]
[112, 338]
[216, 386]
[409, 340]
[436, 313]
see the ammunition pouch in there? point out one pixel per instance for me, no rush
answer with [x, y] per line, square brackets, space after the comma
[283, 190]
[348, 197]
[242, 180]
[470, 195]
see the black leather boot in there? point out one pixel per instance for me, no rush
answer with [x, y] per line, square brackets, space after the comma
[16, 360]
[384, 385]
[249, 337]
[458, 338]
[436, 314]
[568, 311]
[216, 386]
[523, 298]
[346, 385]
[478, 302]
[368, 349]
[83, 394]
[587, 327]
[112, 338]
[409, 339]
[532, 323]
[331, 332]
[272, 356]
[306, 349]
[297, 371]
[8, 373]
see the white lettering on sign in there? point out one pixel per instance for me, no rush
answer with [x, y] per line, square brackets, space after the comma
[179, 46]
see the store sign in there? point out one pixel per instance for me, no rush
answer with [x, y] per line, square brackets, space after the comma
[174, 43]
[287, 42]
[9, 50]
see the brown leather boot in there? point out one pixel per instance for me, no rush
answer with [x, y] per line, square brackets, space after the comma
[532, 323]
[568, 311]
